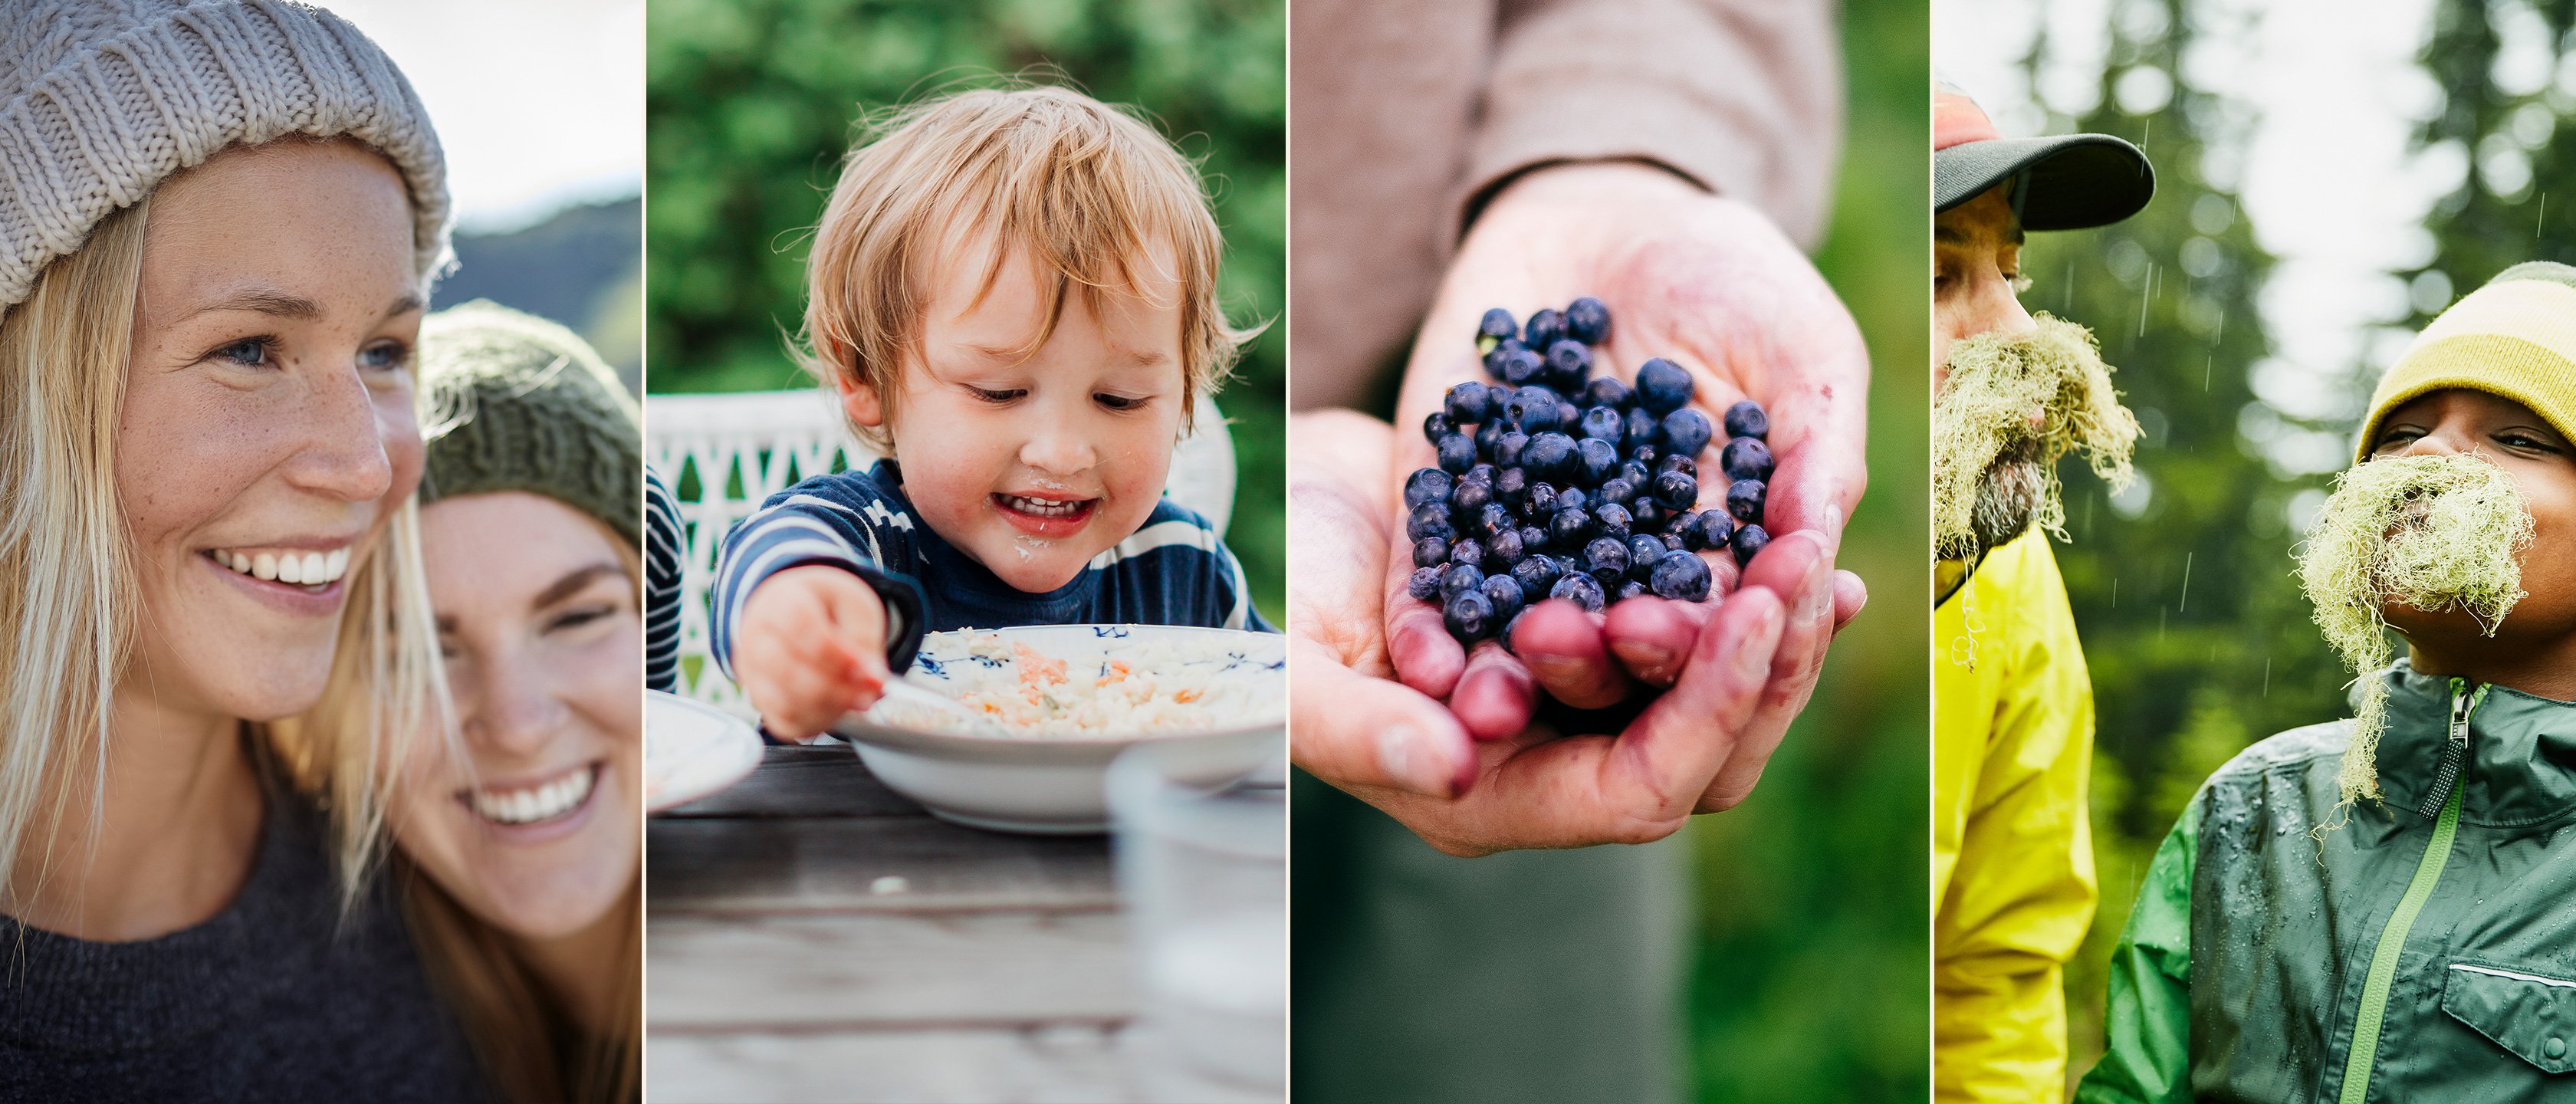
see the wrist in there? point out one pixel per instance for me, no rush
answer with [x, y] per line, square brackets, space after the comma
[1561, 182]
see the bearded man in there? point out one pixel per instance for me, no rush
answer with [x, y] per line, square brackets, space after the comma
[2012, 863]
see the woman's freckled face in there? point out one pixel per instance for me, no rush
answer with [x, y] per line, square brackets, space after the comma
[1033, 463]
[2543, 467]
[267, 414]
[536, 830]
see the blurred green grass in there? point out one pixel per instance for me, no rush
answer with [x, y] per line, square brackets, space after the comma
[1813, 972]
[752, 103]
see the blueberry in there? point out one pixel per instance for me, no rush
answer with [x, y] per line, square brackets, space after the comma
[1744, 499]
[1431, 519]
[1715, 531]
[1427, 485]
[1495, 326]
[1482, 473]
[1619, 488]
[1509, 624]
[1596, 459]
[1606, 558]
[1568, 364]
[1511, 484]
[1605, 423]
[1437, 425]
[1550, 456]
[1645, 454]
[1745, 419]
[1749, 540]
[1663, 387]
[1425, 583]
[1468, 551]
[1614, 520]
[1682, 464]
[1587, 321]
[1647, 516]
[1460, 578]
[1494, 518]
[1540, 500]
[1746, 458]
[1644, 429]
[1686, 432]
[1675, 491]
[1636, 474]
[1457, 452]
[1582, 590]
[1545, 328]
[1536, 410]
[1504, 548]
[1515, 364]
[1628, 588]
[1681, 576]
[1466, 403]
[1566, 528]
[1537, 573]
[1430, 552]
[1607, 391]
[1489, 436]
[1573, 498]
[1471, 496]
[1468, 615]
[1508, 446]
[1533, 538]
[1505, 593]
[1678, 524]
[1643, 550]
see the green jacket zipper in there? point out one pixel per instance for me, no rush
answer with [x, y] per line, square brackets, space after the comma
[2428, 870]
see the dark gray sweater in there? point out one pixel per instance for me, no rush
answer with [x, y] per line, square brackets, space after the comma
[273, 999]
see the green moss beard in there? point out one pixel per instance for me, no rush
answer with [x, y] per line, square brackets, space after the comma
[2011, 405]
[2430, 533]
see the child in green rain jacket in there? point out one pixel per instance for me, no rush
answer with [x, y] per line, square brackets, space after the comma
[2419, 946]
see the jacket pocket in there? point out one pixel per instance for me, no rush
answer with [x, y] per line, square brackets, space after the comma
[2528, 1014]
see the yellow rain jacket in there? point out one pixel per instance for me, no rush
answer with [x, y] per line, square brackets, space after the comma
[2012, 861]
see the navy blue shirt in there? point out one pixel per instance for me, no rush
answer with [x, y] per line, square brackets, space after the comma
[1172, 571]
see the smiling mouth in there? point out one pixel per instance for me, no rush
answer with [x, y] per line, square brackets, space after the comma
[312, 572]
[1051, 509]
[555, 799]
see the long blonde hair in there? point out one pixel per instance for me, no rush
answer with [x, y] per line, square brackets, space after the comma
[67, 615]
[530, 1042]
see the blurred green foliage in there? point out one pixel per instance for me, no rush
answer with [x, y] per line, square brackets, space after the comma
[1813, 958]
[2195, 632]
[753, 102]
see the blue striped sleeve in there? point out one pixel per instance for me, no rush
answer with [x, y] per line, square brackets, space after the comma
[662, 567]
[1198, 579]
[819, 521]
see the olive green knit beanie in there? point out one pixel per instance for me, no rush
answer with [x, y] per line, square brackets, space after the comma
[2515, 338]
[512, 402]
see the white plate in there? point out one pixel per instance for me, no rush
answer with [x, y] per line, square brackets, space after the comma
[692, 750]
[1053, 783]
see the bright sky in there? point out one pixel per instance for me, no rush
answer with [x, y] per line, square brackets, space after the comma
[538, 103]
[2329, 93]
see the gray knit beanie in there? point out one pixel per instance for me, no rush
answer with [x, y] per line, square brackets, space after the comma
[100, 100]
[512, 402]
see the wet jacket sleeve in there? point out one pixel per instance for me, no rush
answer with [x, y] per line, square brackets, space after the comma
[2019, 897]
[2147, 1059]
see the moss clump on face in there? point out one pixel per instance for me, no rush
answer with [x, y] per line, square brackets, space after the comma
[2011, 406]
[2432, 533]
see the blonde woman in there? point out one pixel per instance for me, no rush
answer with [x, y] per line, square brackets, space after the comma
[521, 842]
[217, 224]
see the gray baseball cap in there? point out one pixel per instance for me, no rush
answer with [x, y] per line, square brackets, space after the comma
[2068, 181]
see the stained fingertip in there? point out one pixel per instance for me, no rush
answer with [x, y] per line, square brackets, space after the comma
[1495, 696]
[1851, 594]
[1426, 657]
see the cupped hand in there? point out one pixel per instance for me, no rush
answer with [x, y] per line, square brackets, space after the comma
[1695, 748]
[1710, 284]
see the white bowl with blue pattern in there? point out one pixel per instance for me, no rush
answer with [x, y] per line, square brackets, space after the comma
[1049, 783]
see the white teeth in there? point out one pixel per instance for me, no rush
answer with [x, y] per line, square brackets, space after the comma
[306, 569]
[312, 572]
[290, 568]
[529, 806]
[241, 563]
[1042, 507]
[263, 566]
[337, 566]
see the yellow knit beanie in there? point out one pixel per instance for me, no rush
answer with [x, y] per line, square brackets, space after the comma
[2515, 338]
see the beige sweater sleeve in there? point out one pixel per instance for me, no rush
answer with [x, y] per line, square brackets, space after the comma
[1742, 96]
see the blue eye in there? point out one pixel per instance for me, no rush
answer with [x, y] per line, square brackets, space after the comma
[385, 356]
[250, 352]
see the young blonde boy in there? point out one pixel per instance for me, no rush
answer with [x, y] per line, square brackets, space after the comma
[1013, 294]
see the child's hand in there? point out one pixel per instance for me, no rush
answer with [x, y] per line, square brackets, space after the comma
[811, 647]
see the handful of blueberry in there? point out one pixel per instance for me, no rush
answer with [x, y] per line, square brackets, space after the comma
[1554, 483]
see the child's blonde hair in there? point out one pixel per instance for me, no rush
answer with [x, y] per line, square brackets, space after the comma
[1084, 188]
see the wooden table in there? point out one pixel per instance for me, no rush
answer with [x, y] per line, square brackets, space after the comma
[812, 935]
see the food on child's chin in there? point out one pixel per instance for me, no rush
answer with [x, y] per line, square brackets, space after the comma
[2434, 534]
[1144, 687]
[1555, 483]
